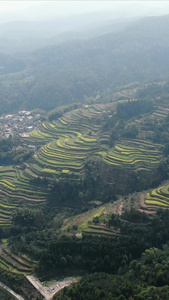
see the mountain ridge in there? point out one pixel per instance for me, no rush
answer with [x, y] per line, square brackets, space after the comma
[70, 71]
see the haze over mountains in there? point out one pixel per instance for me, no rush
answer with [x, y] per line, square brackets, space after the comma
[48, 10]
[31, 25]
[89, 62]
[27, 36]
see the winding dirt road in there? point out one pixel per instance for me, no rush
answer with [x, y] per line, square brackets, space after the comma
[49, 291]
[5, 287]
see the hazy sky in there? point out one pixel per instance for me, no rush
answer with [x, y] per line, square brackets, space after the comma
[82, 5]
[31, 10]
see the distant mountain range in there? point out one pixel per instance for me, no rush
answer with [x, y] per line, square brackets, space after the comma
[27, 36]
[120, 54]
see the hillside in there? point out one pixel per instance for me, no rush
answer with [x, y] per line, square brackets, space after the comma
[91, 153]
[91, 188]
[142, 279]
[84, 162]
[88, 67]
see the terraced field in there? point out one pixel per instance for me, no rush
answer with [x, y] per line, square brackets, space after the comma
[14, 263]
[160, 113]
[67, 148]
[159, 196]
[135, 153]
[17, 190]
[65, 145]
[68, 152]
[63, 150]
[83, 222]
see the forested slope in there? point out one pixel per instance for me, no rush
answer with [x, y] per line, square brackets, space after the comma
[145, 279]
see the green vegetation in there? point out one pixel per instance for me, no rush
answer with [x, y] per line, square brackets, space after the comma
[83, 221]
[146, 278]
[19, 284]
[75, 162]
[5, 295]
[95, 251]
[65, 205]
[9, 155]
[67, 208]
[133, 107]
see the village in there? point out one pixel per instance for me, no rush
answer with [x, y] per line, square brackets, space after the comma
[18, 123]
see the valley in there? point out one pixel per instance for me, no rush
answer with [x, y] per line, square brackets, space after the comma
[84, 152]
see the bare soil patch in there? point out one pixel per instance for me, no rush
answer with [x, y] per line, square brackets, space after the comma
[49, 291]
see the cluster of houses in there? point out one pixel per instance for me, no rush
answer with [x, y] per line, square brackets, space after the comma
[18, 123]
